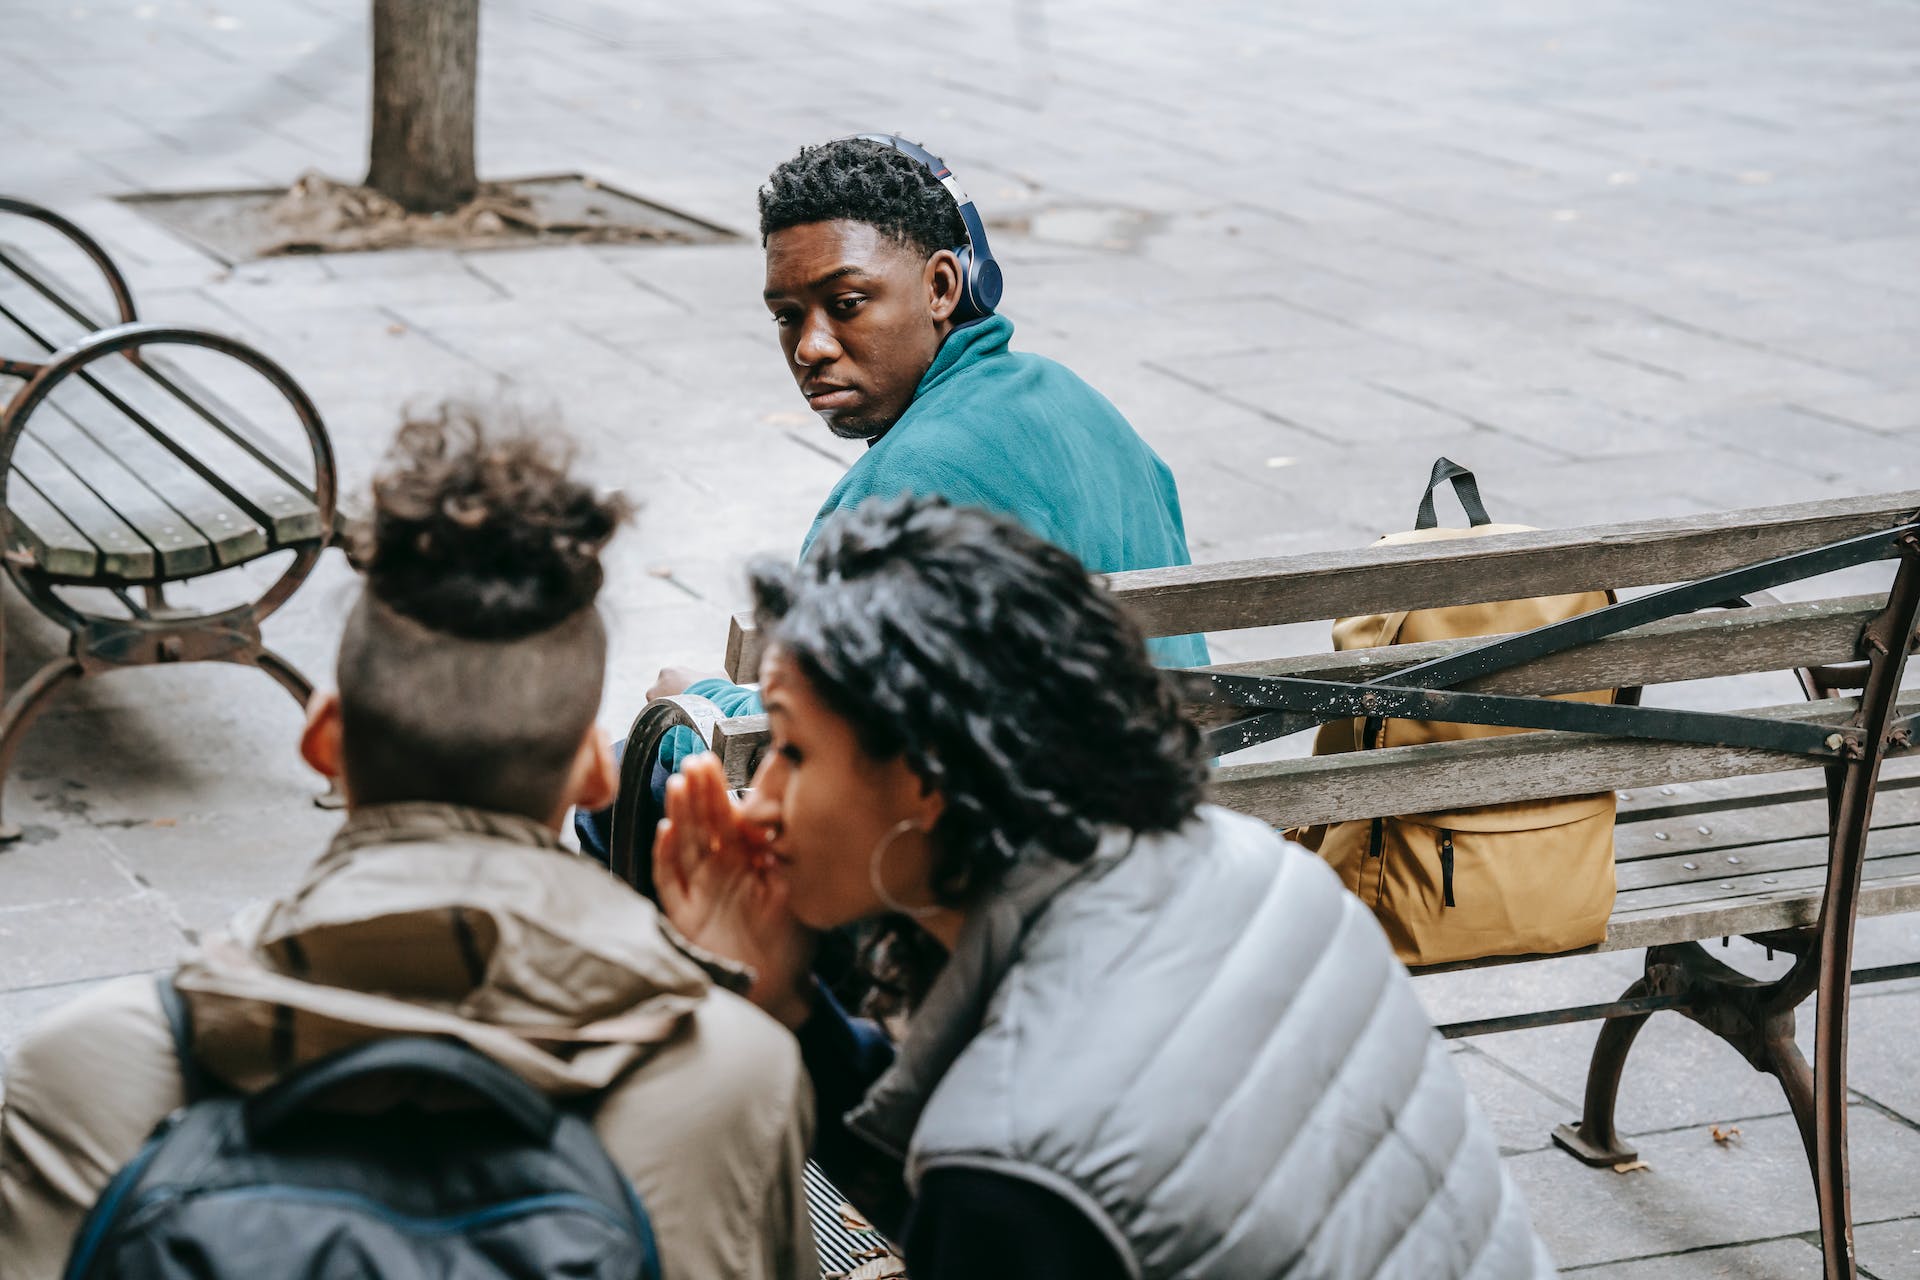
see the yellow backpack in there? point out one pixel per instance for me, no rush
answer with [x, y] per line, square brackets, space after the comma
[1501, 879]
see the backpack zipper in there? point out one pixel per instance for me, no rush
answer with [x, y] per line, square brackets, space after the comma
[1375, 729]
[1370, 735]
[1446, 865]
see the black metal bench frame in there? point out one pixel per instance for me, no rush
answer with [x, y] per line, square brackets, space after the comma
[154, 632]
[1755, 1017]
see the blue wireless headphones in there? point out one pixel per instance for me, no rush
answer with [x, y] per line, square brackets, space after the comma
[980, 280]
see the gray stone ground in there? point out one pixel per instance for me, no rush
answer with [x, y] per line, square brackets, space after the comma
[1627, 258]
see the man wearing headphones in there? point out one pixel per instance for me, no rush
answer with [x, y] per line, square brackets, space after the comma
[883, 290]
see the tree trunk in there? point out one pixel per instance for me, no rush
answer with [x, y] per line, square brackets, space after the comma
[426, 57]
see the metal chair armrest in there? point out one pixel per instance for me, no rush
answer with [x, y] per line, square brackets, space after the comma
[122, 291]
[127, 339]
[636, 811]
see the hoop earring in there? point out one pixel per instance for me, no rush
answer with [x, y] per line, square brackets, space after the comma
[874, 878]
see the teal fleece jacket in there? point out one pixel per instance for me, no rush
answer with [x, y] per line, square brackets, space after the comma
[1023, 436]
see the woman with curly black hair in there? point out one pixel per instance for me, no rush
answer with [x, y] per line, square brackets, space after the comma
[1147, 1037]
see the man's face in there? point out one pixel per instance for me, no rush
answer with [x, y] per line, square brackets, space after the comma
[861, 316]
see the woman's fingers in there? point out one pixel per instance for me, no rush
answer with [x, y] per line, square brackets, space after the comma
[686, 843]
[668, 876]
[708, 785]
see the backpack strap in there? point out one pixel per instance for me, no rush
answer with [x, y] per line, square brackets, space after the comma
[1465, 488]
[193, 1076]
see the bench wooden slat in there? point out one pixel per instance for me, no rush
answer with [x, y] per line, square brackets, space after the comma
[172, 507]
[196, 528]
[120, 476]
[46, 535]
[1739, 829]
[1894, 888]
[1234, 594]
[1524, 766]
[121, 551]
[1338, 584]
[248, 488]
[1767, 637]
[1684, 877]
[735, 741]
[1702, 800]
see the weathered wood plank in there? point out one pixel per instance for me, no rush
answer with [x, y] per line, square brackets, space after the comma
[1771, 637]
[122, 552]
[1652, 882]
[217, 474]
[1738, 828]
[48, 538]
[737, 742]
[118, 468]
[1680, 801]
[1233, 594]
[193, 526]
[1794, 909]
[1525, 766]
[744, 649]
[1252, 593]
[181, 499]
[1895, 888]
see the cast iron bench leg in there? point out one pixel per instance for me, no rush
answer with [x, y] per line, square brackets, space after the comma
[1594, 1140]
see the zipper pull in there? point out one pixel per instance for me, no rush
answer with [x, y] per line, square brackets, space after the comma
[1446, 865]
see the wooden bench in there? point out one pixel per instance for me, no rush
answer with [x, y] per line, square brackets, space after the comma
[1758, 848]
[120, 474]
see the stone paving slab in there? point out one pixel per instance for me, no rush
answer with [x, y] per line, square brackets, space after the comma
[1677, 1076]
[1697, 1192]
[1890, 1250]
[1774, 1260]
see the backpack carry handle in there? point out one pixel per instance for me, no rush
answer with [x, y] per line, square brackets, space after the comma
[472, 1071]
[1465, 488]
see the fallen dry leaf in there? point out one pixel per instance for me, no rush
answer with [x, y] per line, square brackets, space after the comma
[1631, 1166]
[853, 1220]
[166, 822]
[1729, 1134]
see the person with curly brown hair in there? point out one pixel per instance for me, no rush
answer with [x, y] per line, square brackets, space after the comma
[461, 734]
[1148, 1038]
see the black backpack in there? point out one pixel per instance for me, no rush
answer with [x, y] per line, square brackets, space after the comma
[270, 1187]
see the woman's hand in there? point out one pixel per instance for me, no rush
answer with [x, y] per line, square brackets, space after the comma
[718, 884]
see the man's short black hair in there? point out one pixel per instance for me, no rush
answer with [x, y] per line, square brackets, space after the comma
[862, 181]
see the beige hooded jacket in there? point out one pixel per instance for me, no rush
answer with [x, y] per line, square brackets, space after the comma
[427, 919]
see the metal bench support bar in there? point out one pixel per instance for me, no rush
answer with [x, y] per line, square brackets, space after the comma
[1470, 1027]
[1321, 700]
[1511, 651]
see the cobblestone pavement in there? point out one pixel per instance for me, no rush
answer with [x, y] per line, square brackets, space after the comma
[1627, 258]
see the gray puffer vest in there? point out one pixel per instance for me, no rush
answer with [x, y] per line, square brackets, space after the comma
[1204, 1042]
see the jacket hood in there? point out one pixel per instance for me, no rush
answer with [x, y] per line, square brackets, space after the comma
[434, 920]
